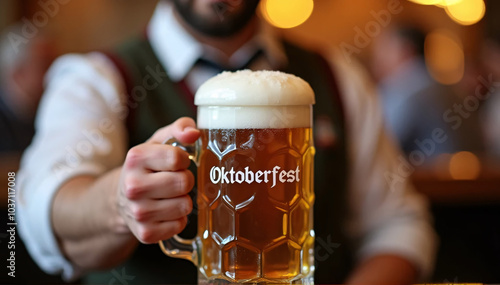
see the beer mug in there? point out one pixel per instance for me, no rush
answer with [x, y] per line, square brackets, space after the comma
[255, 181]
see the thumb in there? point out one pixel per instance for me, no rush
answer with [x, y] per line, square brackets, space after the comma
[183, 130]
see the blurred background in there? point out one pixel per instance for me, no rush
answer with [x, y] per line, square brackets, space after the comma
[435, 64]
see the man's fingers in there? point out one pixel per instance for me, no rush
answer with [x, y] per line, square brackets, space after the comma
[183, 130]
[156, 157]
[151, 211]
[154, 232]
[156, 182]
[159, 185]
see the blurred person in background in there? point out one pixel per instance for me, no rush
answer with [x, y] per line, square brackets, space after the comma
[23, 63]
[88, 201]
[413, 102]
[491, 112]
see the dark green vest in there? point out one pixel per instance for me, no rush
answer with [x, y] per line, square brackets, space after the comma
[155, 101]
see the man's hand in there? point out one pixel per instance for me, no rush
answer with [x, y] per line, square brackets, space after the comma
[97, 220]
[153, 198]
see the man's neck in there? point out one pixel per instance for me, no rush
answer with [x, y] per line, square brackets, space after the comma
[227, 46]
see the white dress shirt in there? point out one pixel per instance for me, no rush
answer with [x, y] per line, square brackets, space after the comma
[80, 130]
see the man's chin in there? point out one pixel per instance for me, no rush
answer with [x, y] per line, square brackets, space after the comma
[227, 2]
[217, 18]
[218, 7]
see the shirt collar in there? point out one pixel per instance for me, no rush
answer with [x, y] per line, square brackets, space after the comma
[178, 51]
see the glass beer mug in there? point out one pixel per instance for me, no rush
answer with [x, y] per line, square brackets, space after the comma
[255, 181]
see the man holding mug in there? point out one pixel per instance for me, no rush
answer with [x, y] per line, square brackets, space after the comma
[98, 183]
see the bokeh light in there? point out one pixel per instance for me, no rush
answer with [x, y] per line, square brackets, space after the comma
[444, 57]
[466, 12]
[464, 165]
[286, 13]
[445, 3]
[440, 3]
[426, 2]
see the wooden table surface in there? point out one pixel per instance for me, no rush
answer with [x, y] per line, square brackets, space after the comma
[441, 188]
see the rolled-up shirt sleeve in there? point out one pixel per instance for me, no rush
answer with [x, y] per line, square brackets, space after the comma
[387, 216]
[79, 131]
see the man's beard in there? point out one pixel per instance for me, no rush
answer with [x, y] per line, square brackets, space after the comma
[226, 20]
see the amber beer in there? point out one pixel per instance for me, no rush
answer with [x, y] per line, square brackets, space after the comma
[256, 230]
[255, 179]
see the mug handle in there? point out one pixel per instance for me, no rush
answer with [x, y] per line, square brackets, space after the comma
[176, 246]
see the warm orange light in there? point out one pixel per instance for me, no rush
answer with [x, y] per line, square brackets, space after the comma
[286, 13]
[444, 57]
[466, 12]
[464, 165]
[445, 3]
[426, 2]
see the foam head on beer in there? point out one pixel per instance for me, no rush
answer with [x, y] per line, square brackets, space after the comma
[254, 99]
